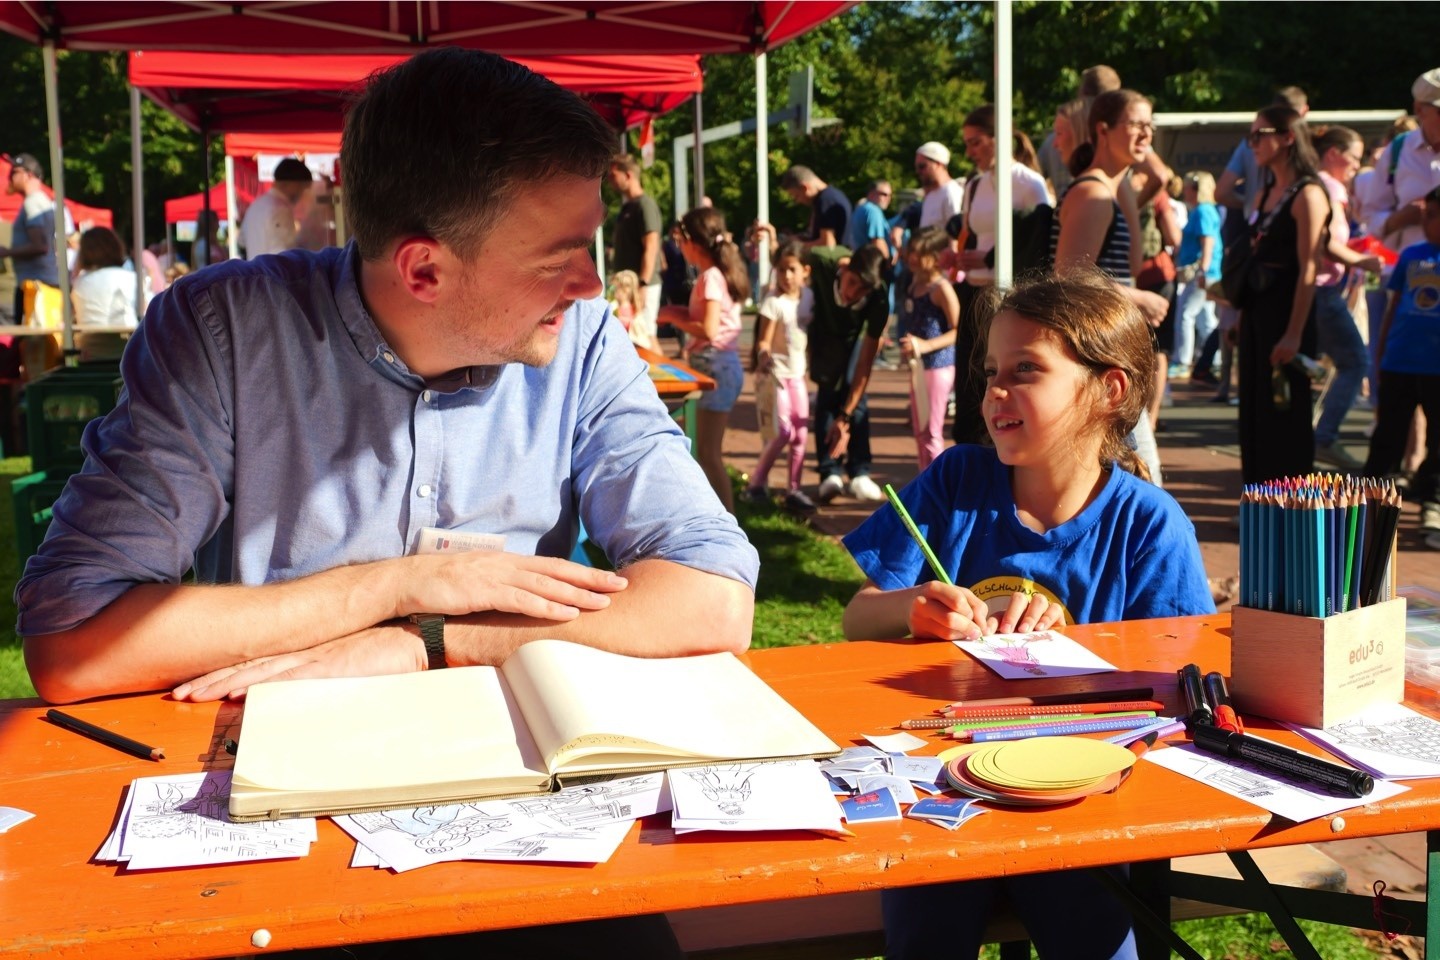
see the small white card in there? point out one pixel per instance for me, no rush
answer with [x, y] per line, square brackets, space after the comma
[1044, 653]
[435, 540]
[896, 742]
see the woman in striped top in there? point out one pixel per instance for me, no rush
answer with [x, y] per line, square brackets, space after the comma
[1090, 225]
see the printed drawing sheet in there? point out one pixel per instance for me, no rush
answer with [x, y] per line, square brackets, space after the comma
[774, 795]
[181, 821]
[1390, 741]
[581, 824]
[1291, 799]
[1043, 653]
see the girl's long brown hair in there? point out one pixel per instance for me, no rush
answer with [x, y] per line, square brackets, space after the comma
[706, 227]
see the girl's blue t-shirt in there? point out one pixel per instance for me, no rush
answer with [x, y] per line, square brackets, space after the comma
[1413, 343]
[1129, 555]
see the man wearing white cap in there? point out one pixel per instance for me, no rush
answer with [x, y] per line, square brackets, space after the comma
[1396, 202]
[944, 197]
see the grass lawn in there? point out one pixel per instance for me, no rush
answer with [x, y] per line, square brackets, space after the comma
[805, 582]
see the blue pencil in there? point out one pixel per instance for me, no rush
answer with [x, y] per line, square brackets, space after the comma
[1060, 729]
[1317, 507]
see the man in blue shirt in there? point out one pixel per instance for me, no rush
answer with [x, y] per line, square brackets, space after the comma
[829, 208]
[309, 431]
[868, 225]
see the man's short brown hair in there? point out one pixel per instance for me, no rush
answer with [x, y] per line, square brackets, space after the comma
[1097, 80]
[625, 164]
[439, 145]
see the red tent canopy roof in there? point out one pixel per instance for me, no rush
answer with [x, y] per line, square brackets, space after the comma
[511, 28]
[266, 93]
[188, 208]
[249, 144]
[84, 216]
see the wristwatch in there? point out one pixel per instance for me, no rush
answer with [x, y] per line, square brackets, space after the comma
[432, 634]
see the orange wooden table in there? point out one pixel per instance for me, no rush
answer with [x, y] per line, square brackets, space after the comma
[678, 385]
[55, 902]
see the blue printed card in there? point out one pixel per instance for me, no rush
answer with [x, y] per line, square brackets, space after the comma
[876, 806]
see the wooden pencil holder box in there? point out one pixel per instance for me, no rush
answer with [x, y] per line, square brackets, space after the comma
[1317, 671]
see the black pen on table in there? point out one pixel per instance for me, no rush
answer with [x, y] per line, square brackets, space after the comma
[1273, 756]
[133, 747]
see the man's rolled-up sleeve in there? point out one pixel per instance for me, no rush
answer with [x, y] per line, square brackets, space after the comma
[641, 494]
[157, 474]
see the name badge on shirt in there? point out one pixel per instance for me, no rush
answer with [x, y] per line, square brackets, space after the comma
[435, 540]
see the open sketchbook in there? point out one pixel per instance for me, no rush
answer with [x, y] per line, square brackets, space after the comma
[554, 713]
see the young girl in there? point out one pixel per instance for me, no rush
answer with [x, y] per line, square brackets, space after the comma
[929, 312]
[1050, 526]
[713, 321]
[626, 301]
[780, 370]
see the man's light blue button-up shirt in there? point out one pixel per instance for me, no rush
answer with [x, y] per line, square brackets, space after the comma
[266, 431]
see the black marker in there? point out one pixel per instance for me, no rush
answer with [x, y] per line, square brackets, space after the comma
[1302, 766]
[133, 747]
[1197, 711]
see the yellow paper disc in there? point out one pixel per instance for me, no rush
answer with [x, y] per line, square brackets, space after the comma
[1053, 763]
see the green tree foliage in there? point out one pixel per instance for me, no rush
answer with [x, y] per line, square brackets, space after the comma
[895, 74]
[95, 128]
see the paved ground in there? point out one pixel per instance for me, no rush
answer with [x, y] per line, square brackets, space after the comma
[1202, 470]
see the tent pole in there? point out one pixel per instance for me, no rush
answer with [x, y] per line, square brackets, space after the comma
[232, 209]
[1004, 147]
[699, 151]
[205, 209]
[137, 204]
[57, 180]
[762, 167]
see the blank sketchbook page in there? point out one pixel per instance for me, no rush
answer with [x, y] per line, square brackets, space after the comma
[365, 733]
[692, 707]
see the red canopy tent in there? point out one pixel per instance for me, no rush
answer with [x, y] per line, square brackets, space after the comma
[82, 215]
[182, 209]
[509, 28]
[265, 93]
[249, 144]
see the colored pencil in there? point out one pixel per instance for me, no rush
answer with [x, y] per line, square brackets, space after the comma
[1049, 699]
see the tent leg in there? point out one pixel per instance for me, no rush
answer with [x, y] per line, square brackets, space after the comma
[232, 209]
[57, 180]
[699, 152]
[137, 203]
[762, 166]
[1004, 150]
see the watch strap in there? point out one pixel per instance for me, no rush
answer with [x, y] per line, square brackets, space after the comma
[432, 634]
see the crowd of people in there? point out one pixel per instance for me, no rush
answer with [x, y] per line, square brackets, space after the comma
[1048, 508]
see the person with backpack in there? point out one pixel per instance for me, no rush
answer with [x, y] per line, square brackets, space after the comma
[976, 257]
[1408, 170]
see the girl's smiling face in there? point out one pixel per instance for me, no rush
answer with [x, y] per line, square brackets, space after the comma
[1036, 394]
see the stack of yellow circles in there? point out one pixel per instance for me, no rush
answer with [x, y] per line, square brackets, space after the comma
[1039, 771]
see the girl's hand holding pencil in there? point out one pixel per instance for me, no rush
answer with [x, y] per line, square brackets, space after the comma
[942, 611]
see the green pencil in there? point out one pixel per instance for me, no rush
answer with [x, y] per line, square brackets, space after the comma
[930, 557]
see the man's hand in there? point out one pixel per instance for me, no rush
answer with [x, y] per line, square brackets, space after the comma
[545, 588]
[455, 584]
[369, 653]
[944, 612]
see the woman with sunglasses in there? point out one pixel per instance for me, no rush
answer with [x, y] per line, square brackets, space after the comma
[1097, 215]
[1287, 231]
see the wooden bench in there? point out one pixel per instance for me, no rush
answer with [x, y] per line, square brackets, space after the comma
[847, 925]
